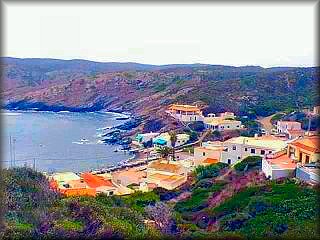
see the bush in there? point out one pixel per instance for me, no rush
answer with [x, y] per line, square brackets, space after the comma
[249, 162]
[210, 171]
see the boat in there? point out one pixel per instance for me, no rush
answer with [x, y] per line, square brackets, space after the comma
[122, 118]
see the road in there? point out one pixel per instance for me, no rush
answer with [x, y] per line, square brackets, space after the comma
[266, 123]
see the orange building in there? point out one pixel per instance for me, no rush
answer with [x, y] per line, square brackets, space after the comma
[306, 150]
[185, 113]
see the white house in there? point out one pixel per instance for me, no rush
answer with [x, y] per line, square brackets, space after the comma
[235, 149]
[278, 165]
[145, 137]
[284, 126]
[220, 124]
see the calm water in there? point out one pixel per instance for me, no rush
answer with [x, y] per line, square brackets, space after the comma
[51, 140]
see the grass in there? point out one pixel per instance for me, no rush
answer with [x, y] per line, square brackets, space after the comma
[71, 225]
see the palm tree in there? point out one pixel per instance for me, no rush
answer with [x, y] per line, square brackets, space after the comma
[164, 151]
[173, 140]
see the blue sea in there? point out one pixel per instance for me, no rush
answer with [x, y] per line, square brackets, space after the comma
[51, 142]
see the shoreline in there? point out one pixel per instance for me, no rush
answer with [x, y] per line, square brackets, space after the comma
[122, 164]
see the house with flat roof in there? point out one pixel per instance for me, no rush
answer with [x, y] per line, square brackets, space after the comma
[168, 175]
[235, 149]
[221, 124]
[185, 113]
[278, 165]
[309, 173]
[164, 139]
[146, 137]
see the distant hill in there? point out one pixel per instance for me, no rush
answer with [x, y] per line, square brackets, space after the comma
[147, 89]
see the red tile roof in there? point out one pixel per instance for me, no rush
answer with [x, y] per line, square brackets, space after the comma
[95, 181]
[282, 161]
[310, 144]
[210, 160]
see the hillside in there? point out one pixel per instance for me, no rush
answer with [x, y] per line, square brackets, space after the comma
[237, 207]
[79, 85]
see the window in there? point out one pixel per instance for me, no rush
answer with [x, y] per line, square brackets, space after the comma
[246, 149]
[228, 126]
[239, 157]
[234, 148]
[203, 154]
[229, 161]
[253, 150]
[238, 126]
[226, 150]
[111, 193]
[263, 152]
[270, 152]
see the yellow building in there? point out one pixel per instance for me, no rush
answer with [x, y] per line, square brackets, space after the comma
[305, 150]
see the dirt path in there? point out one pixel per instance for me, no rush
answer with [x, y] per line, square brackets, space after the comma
[266, 123]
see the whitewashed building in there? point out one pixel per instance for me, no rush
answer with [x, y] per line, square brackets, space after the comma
[235, 149]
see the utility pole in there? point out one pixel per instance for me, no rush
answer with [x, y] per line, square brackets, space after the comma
[14, 152]
[10, 144]
[34, 164]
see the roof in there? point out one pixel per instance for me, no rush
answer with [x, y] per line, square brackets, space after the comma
[65, 177]
[77, 184]
[166, 178]
[269, 142]
[282, 162]
[160, 141]
[220, 120]
[185, 108]
[289, 122]
[166, 167]
[95, 181]
[183, 136]
[210, 161]
[310, 143]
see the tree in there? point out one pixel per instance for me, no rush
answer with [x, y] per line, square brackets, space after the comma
[173, 139]
[164, 151]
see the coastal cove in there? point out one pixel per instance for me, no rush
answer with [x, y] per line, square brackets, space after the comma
[59, 141]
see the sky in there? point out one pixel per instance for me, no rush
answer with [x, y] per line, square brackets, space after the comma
[265, 34]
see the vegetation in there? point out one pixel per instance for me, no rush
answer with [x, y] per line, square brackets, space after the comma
[32, 209]
[248, 163]
[209, 171]
[276, 209]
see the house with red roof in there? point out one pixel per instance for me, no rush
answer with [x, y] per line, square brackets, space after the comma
[300, 159]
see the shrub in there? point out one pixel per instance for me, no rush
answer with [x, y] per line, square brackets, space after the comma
[210, 171]
[249, 162]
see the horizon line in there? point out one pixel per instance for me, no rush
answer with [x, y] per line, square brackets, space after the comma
[166, 64]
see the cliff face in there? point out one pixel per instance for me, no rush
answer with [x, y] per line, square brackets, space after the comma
[146, 90]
